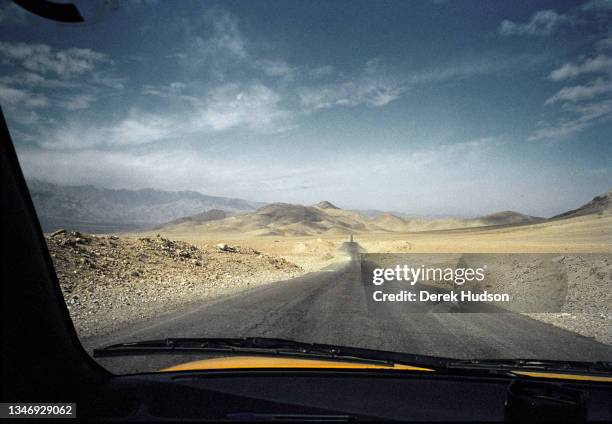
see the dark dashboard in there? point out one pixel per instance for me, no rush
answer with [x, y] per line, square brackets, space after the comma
[345, 396]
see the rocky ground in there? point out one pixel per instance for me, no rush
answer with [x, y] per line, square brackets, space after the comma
[577, 286]
[109, 281]
[589, 296]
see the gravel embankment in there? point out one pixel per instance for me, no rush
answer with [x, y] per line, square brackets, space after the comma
[578, 286]
[110, 281]
[587, 307]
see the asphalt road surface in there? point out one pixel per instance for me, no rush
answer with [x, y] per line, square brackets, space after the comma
[334, 306]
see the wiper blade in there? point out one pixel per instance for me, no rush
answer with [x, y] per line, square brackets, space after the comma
[180, 345]
[265, 346]
[533, 364]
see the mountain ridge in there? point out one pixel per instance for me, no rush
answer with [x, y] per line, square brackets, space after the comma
[599, 204]
[509, 217]
[285, 219]
[97, 209]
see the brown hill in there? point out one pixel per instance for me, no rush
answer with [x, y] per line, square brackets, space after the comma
[324, 218]
[509, 218]
[286, 213]
[599, 205]
[326, 205]
[284, 219]
[211, 215]
[390, 222]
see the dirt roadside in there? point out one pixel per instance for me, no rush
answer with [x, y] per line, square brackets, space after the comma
[110, 281]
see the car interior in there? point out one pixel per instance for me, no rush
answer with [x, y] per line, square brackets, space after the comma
[43, 360]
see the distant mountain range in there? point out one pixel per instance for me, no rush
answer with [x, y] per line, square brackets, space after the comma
[284, 219]
[325, 218]
[94, 209]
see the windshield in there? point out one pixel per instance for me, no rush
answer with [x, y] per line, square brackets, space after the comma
[421, 177]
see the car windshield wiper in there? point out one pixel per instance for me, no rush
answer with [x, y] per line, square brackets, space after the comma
[263, 346]
[266, 346]
[534, 365]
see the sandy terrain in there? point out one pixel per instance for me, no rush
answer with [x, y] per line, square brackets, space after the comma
[584, 234]
[110, 281]
[589, 277]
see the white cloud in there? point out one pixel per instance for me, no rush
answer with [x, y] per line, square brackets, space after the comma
[228, 44]
[136, 129]
[216, 44]
[274, 68]
[598, 64]
[321, 71]
[44, 59]
[35, 85]
[77, 102]
[32, 90]
[30, 117]
[233, 106]
[350, 93]
[542, 23]
[484, 63]
[141, 129]
[225, 43]
[31, 79]
[227, 36]
[372, 87]
[576, 93]
[604, 43]
[582, 116]
[255, 106]
[225, 49]
[14, 97]
[597, 5]
[117, 83]
[175, 92]
[579, 108]
[423, 180]
[174, 89]
[265, 178]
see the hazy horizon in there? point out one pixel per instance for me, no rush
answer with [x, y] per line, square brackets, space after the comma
[405, 213]
[430, 108]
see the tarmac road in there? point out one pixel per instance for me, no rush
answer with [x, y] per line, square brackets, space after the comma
[334, 306]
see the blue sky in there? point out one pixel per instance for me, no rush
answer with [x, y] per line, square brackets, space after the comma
[424, 107]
